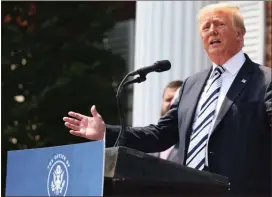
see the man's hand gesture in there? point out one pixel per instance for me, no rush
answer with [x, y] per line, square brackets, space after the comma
[92, 128]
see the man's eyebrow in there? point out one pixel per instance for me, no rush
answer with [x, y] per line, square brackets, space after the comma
[211, 20]
[216, 18]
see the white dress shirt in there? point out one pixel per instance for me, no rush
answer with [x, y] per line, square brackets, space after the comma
[232, 66]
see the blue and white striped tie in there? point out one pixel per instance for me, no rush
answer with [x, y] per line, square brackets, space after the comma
[202, 125]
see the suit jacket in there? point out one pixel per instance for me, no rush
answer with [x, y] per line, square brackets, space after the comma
[240, 144]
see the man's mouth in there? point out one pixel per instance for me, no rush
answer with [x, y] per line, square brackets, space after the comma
[215, 42]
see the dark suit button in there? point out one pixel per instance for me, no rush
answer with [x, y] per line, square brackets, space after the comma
[211, 153]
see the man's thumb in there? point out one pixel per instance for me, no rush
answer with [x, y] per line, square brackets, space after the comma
[94, 112]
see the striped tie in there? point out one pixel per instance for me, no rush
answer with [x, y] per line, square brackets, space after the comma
[202, 125]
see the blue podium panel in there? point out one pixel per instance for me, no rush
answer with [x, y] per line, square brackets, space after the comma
[70, 170]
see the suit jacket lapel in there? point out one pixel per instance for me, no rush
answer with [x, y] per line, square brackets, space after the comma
[239, 83]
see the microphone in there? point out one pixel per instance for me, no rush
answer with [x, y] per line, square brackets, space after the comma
[159, 66]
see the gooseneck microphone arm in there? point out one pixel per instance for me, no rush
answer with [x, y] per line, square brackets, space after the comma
[120, 106]
[159, 66]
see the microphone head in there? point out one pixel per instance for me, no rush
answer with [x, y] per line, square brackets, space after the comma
[162, 65]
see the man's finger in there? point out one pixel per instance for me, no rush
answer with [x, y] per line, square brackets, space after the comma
[71, 126]
[94, 112]
[71, 120]
[76, 115]
[76, 133]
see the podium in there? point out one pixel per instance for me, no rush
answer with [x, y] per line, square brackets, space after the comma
[133, 173]
[88, 169]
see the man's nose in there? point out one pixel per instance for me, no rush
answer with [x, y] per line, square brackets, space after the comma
[213, 30]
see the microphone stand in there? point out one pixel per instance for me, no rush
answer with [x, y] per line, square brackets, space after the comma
[119, 98]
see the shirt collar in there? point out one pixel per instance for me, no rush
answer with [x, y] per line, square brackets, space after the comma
[234, 64]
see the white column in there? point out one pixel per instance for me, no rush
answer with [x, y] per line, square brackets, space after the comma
[165, 30]
[253, 13]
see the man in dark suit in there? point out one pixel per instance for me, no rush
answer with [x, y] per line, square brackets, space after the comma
[169, 92]
[222, 118]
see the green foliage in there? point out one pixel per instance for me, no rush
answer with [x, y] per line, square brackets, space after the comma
[53, 55]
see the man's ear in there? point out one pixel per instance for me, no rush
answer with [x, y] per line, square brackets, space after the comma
[240, 34]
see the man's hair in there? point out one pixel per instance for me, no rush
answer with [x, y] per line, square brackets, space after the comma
[237, 19]
[173, 84]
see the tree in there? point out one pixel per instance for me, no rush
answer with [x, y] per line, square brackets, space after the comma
[54, 60]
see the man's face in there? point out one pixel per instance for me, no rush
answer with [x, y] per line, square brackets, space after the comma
[220, 38]
[168, 95]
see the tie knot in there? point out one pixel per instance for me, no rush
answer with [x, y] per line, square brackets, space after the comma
[218, 71]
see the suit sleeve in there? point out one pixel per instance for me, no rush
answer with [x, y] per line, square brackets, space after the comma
[268, 103]
[151, 138]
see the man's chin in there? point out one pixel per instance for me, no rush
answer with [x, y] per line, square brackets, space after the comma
[215, 51]
[217, 56]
